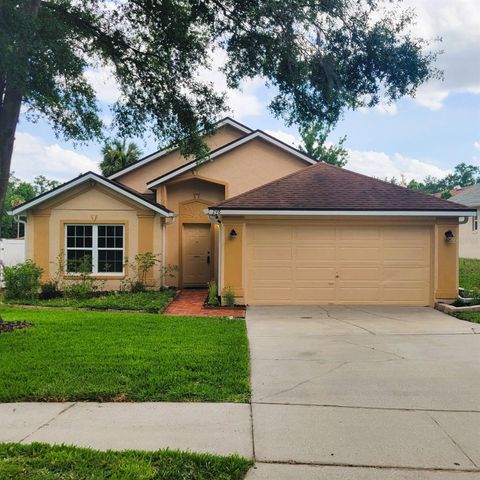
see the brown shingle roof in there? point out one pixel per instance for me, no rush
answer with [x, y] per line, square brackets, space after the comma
[326, 187]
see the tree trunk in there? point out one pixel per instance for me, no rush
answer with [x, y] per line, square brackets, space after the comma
[11, 101]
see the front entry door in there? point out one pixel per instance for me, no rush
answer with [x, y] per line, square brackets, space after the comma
[196, 254]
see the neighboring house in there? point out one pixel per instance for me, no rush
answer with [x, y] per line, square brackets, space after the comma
[469, 244]
[259, 217]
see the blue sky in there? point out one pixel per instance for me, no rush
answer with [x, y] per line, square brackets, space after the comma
[427, 135]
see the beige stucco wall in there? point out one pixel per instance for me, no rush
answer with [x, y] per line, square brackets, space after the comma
[444, 256]
[91, 204]
[138, 179]
[248, 166]
[469, 240]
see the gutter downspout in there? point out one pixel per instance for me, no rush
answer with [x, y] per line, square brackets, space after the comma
[164, 248]
[216, 218]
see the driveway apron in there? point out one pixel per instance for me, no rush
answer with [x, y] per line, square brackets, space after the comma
[346, 392]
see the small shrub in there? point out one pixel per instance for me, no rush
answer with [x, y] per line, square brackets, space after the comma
[229, 296]
[22, 281]
[49, 290]
[79, 291]
[213, 294]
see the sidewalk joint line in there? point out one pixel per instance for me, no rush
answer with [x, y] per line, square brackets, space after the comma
[48, 421]
[377, 467]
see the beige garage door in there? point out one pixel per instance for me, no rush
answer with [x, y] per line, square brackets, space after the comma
[307, 264]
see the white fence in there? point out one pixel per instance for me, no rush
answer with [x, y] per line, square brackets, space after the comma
[12, 251]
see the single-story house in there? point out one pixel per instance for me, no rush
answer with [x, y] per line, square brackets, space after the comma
[261, 218]
[469, 238]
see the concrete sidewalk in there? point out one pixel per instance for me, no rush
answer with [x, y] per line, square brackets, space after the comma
[219, 428]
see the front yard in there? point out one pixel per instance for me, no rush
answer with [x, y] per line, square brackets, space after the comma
[151, 301]
[44, 462]
[469, 273]
[115, 356]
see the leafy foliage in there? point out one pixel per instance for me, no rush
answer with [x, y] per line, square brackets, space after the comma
[229, 296]
[315, 144]
[18, 192]
[118, 155]
[462, 176]
[22, 281]
[212, 299]
[321, 56]
[151, 301]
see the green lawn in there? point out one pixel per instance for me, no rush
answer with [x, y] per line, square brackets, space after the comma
[43, 462]
[152, 302]
[469, 273]
[115, 356]
[469, 316]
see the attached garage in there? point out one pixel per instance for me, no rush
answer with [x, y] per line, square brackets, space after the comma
[325, 235]
[337, 263]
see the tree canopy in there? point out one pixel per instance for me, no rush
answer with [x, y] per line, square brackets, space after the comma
[18, 192]
[314, 140]
[117, 155]
[463, 175]
[319, 56]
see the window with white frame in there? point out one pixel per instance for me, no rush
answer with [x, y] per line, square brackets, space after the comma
[475, 223]
[94, 248]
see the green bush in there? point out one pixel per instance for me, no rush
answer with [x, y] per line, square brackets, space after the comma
[49, 290]
[229, 296]
[213, 294]
[79, 291]
[22, 281]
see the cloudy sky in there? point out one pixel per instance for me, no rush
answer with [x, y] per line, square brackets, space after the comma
[427, 135]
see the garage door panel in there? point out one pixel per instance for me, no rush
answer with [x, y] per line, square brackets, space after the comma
[410, 254]
[338, 264]
[314, 235]
[315, 252]
[271, 273]
[407, 274]
[358, 254]
[314, 273]
[364, 273]
[274, 234]
[364, 294]
[271, 252]
[314, 294]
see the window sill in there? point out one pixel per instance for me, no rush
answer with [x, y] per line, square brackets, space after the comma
[96, 276]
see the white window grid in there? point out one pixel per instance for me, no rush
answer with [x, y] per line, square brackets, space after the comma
[94, 248]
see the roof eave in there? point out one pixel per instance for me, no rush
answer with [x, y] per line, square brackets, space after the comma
[82, 179]
[369, 213]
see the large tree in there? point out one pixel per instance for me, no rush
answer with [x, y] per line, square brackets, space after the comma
[314, 143]
[117, 154]
[321, 56]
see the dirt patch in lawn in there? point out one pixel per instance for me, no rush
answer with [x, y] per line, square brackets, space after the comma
[6, 327]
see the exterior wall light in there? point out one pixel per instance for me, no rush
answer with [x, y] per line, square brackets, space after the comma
[449, 236]
[233, 233]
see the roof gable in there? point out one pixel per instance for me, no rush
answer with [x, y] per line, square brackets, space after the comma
[88, 177]
[326, 188]
[160, 153]
[257, 134]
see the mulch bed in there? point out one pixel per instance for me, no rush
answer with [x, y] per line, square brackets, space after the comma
[6, 327]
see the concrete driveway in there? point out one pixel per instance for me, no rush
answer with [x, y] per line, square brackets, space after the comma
[364, 393]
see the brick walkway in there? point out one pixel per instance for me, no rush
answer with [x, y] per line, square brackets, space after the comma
[190, 303]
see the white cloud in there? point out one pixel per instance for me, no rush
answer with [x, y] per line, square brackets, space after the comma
[378, 164]
[104, 84]
[458, 24]
[32, 157]
[382, 165]
[242, 102]
[476, 145]
[285, 137]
